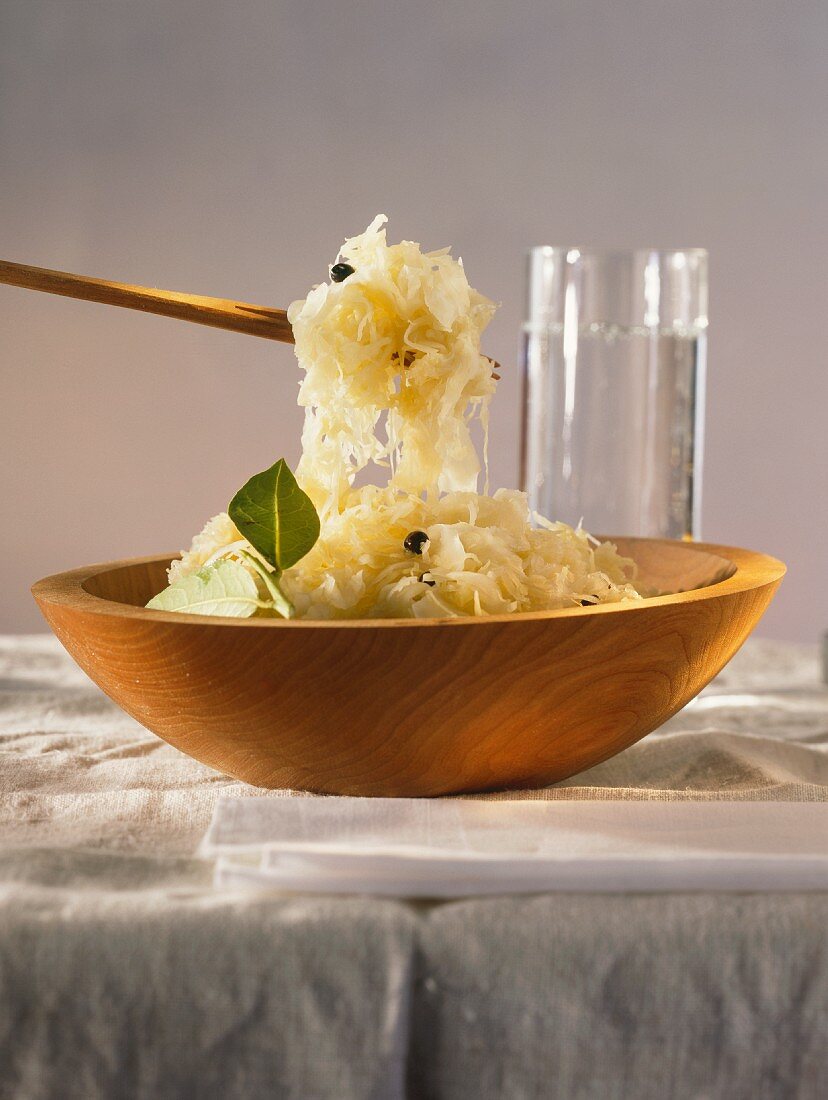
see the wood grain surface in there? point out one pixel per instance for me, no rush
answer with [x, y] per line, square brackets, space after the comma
[272, 324]
[402, 707]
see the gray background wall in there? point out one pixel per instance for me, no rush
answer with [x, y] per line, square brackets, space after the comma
[226, 148]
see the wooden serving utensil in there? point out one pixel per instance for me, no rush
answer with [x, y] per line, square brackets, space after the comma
[272, 324]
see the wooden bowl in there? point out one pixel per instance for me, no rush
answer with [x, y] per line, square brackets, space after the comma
[413, 707]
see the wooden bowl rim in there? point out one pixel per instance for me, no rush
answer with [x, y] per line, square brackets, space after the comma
[753, 570]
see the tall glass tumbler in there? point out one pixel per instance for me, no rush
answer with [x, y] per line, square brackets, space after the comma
[613, 389]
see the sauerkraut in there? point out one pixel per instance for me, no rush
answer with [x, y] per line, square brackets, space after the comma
[393, 371]
[482, 556]
[394, 378]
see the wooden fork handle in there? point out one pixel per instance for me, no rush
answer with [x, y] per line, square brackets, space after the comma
[272, 324]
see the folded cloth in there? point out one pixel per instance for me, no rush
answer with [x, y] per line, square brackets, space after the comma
[460, 847]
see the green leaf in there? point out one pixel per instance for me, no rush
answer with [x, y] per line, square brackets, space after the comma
[276, 516]
[225, 588]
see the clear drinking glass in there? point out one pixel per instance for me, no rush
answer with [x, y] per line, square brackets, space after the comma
[613, 388]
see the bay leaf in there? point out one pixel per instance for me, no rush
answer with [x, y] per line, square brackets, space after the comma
[276, 516]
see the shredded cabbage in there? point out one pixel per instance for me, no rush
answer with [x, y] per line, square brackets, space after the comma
[394, 376]
[216, 537]
[393, 371]
[483, 556]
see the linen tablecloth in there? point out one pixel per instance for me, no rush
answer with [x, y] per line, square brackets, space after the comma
[123, 973]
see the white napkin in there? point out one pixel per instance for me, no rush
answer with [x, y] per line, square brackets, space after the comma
[446, 848]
